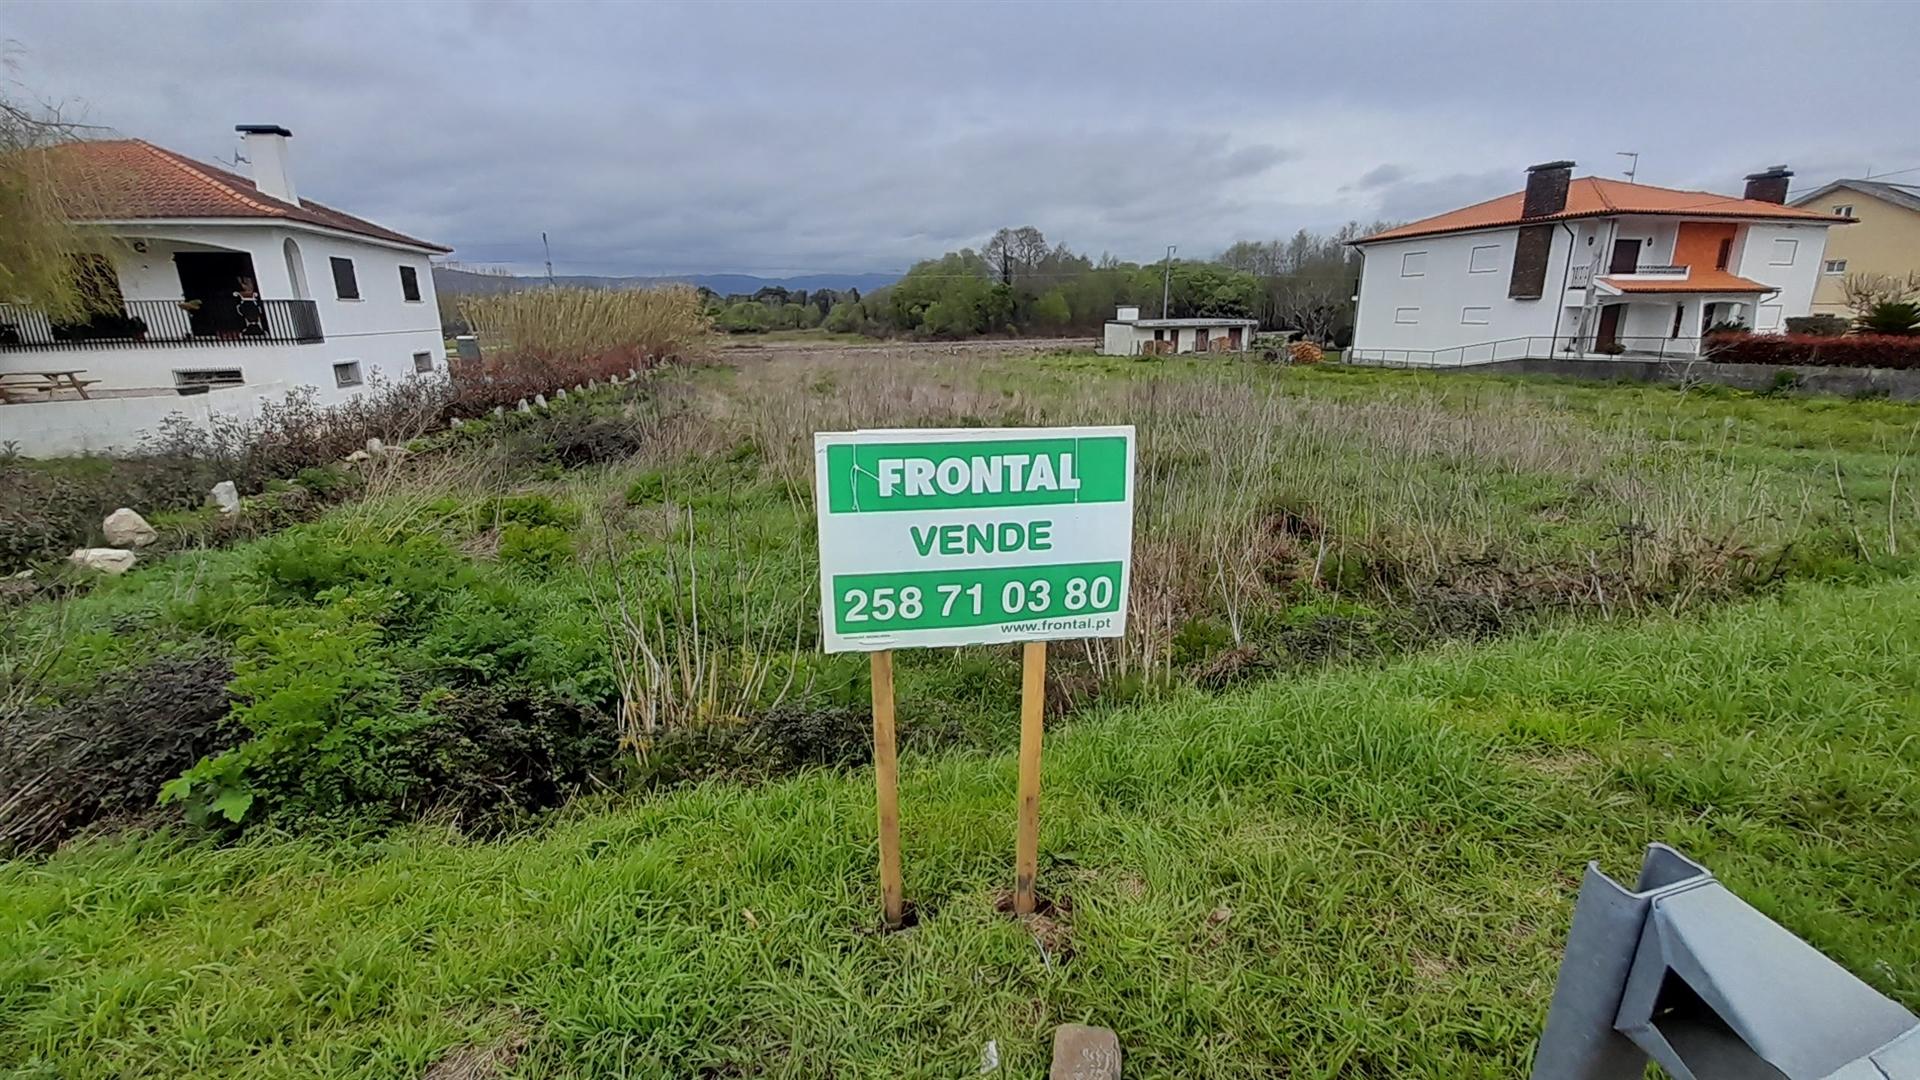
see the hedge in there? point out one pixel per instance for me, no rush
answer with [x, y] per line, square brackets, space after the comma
[1854, 350]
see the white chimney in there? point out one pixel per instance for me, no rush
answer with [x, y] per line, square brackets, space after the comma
[1127, 314]
[266, 148]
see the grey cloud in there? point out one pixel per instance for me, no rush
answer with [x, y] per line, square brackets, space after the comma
[811, 136]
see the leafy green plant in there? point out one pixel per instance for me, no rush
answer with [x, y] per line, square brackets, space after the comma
[544, 549]
[1896, 317]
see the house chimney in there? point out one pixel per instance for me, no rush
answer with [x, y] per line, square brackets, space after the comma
[1547, 188]
[1769, 186]
[267, 151]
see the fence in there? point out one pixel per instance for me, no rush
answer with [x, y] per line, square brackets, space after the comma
[169, 322]
[1539, 347]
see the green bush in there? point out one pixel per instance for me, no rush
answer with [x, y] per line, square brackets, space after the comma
[543, 549]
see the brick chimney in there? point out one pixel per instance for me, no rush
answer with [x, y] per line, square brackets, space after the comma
[1547, 188]
[1769, 186]
[266, 146]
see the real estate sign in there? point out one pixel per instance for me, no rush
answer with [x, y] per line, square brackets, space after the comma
[973, 536]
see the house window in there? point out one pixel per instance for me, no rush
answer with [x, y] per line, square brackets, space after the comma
[422, 362]
[347, 373]
[345, 285]
[1484, 259]
[1834, 266]
[1679, 312]
[208, 377]
[1725, 257]
[1413, 264]
[410, 284]
[1783, 252]
[1406, 315]
[1843, 210]
[1476, 316]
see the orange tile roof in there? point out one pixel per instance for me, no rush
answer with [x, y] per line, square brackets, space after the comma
[1593, 196]
[132, 179]
[1696, 281]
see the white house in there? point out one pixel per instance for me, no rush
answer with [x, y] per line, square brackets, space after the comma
[1130, 335]
[1587, 266]
[227, 292]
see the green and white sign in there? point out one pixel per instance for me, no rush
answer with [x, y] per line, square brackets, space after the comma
[971, 536]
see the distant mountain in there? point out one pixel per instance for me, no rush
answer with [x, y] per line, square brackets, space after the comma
[466, 282]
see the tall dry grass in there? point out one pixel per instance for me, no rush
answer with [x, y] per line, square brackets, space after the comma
[642, 327]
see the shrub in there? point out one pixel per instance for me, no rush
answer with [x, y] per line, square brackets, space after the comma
[618, 328]
[104, 756]
[1812, 325]
[1304, 352]
[543, 549]
[1854, 350]
[1893, 317]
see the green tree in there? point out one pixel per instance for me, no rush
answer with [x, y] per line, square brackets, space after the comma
[846, 318]
[1899, 317]
[1052, 310]
[42, 188]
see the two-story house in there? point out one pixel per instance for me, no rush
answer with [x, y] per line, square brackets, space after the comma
[1587, 266]
[1884, 242]
[222, 293]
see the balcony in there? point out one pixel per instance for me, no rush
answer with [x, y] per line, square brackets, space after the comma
[167, 322]
[1581, 276]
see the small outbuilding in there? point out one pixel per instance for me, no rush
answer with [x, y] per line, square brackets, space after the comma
[1130, 335]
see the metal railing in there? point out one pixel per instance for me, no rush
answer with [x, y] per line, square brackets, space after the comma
[1538, 347]
[167, 322]
[1580, 277]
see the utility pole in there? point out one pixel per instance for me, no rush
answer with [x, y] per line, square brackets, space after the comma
[544, 246]
[1633, 166]
[1166, 280]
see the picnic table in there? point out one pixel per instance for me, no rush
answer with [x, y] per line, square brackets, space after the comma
[20, 386]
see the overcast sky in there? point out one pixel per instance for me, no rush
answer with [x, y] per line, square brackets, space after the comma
[782, 138]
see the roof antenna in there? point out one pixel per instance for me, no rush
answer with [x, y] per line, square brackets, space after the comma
[1632, 166]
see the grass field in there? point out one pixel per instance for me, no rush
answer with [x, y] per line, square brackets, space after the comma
[1355, 874]
[1405, 651]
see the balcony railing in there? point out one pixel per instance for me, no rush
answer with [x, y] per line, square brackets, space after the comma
[1581, 276]
[167, 322]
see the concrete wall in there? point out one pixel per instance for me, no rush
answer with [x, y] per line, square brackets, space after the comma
[1795, 280]
[1448, 296]
[1899, 385]
[61, 428]
[1886, 240]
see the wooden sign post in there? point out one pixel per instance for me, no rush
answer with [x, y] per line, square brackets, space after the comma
[971, 537]
[1026, 856]
[886, 787]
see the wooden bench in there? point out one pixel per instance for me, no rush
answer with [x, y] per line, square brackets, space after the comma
[24, 386]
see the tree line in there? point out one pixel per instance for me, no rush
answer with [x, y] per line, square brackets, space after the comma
[1016, 283]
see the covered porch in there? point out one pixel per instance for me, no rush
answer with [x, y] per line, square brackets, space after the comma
[161, 291]
[1662, 312]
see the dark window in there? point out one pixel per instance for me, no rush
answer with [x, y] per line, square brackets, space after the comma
[345, 285]
[1679, 312]
[347, 373]
[1721, 260]
[422, 362]
[208, 377]
[410, 284]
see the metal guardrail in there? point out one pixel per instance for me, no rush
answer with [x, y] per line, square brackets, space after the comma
[167, 322]
[1539, 347]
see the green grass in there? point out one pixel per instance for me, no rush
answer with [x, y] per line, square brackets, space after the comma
[1359, 873]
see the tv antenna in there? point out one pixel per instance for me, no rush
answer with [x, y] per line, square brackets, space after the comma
[1633, 165]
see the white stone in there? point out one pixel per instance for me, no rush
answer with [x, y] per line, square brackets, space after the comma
[1085, 1053]
[127, 529]
[523, 406]
[539, 401]
[105, 560]
[376, 447]
[225, 496]
[455, 422]
[499, 410]
[357, 457]
[560, 394]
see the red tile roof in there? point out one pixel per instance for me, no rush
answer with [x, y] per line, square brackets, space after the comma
[1696, 281]
[132, 179]
[1593, 196]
